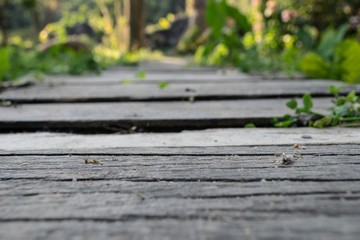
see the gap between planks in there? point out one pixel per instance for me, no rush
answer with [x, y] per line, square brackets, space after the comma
[174, 92]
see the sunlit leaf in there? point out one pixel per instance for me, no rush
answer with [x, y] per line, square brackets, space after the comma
[141, 74]
[308, 103]
[292, 104]
[163, 85]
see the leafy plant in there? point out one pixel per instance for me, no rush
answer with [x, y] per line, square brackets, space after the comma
[16, 62]
[224, 44]
[334, 58]
[345, 112]
[303, 115]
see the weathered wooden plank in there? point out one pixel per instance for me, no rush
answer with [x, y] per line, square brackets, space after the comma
[141, 92]
[277, 227]
[68, 143]
[286, 205]
[27, 163]
[116, 77]
[180, 168]
[125, 207]
[146, 115]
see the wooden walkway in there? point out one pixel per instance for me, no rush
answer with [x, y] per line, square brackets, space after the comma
[92, 158]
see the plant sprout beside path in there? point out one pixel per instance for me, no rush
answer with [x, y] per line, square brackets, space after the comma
[344, 112]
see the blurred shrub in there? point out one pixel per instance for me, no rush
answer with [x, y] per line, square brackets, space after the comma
[334, 58]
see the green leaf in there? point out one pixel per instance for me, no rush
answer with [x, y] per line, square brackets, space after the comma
[215, 15]
[308, 103]
[250, 125]
[141, 74]
[126, 81]
[335, 90]
[285, 124]
[292, 104]
[351, 97]
[326, 121]
[341, 111]
[163, 85]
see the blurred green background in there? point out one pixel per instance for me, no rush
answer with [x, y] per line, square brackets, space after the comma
[316, 38]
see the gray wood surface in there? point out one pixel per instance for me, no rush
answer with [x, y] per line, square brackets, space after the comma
[184, 168]
[138, 92]
[63, 142]
[273, 226]
[147, 115]
[209, 184]
[177, 196]
[232, 168]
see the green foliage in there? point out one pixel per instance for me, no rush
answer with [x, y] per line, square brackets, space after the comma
[289, 42]
[345, 112]
[303, 114]
[329, 41]
[4, 62]
[156, 9]
[349, 55]
[314, 66]
[225, 43]
[16, 62]
[334, 58]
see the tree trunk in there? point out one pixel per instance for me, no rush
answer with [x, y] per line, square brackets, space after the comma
[137, 24]
[199, 6]
[33, 7]
[195, 9]
[195, 34]
[37, 23]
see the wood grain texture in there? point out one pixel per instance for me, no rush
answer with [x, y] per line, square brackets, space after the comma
[180, 168]
[65, 142]
[209, 184]
[176, 210]
[142, 92]
[273, 227]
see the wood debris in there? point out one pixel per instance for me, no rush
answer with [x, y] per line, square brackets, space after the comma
[92, 161]
[286, 159]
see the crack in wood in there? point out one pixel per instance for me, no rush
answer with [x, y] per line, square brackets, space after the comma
[220, 196]
[211, 180]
